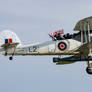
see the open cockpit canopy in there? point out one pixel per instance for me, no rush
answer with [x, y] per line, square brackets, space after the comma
[84, 25]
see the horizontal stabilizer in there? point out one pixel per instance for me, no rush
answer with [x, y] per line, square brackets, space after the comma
[9, 45]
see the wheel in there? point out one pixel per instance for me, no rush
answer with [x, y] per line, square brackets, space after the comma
[10, 58]
[89, 70]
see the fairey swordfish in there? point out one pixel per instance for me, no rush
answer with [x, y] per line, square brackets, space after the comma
[77, 46]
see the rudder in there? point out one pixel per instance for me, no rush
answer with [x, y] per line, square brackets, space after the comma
[7, 36]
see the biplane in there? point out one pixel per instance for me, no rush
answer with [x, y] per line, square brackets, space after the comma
[77, 46]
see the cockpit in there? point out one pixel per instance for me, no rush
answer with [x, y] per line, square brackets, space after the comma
[59, 35]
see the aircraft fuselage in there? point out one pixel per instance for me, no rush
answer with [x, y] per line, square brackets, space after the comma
[61, 47]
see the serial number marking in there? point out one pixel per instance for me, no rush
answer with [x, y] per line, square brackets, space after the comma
[33, 49]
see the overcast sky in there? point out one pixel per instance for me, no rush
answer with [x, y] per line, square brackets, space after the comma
[32, 20]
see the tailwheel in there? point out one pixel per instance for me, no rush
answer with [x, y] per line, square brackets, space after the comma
[11, 58]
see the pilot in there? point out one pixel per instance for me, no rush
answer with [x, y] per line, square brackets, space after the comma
[58, 36]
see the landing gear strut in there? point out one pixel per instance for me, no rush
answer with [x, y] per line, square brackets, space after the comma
[89, 68]
[5, 53]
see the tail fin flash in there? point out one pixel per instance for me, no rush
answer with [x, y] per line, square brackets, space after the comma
[8, 36]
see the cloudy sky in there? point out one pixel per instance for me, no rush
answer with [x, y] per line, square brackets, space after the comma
[32, 20]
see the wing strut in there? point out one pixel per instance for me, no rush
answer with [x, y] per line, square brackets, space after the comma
[88, 33]
[81, 37]
[85, 33]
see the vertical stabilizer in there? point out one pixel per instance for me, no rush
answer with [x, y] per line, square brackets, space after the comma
[7, 36]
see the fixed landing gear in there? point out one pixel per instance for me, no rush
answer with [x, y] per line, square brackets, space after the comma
[11, 58]
[89, 68]
[5, 53]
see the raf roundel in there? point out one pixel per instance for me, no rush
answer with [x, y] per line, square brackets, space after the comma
[62, 46]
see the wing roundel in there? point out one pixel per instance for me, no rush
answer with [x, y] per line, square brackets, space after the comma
[62, 46]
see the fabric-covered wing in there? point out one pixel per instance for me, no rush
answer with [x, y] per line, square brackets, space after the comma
[84, 23]
[85, 49]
